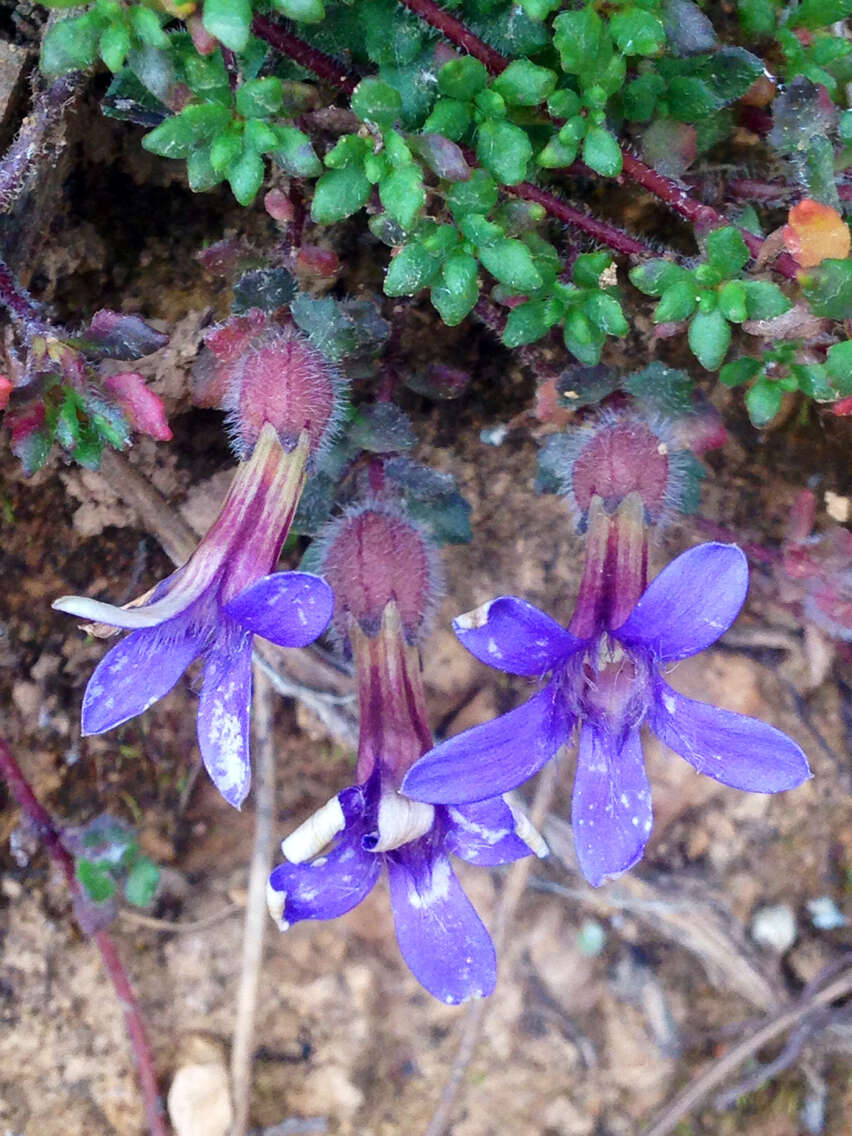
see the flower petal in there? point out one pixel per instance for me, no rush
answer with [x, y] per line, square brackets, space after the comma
[611, 807]
[442, 939]
[135, 673]
[742, 752]
[492, 758]
[484, 833]
[224, 718]
[510, 634]
[288, 608]
[326, 887]
[693, 601]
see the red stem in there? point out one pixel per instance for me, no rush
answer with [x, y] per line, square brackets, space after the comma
[17, 301]
[663, 188]
[317, 61]
[44, 826]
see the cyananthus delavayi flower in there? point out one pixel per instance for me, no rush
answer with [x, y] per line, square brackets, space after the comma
[609, 681]
[283, 403]
[380, 568]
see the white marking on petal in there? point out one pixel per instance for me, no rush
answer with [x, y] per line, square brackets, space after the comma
[275, 901]
[488, 835]
[313, 834]
[438, 889]
[670, 702]
[401, 820]
[524, 831]
[470, 620]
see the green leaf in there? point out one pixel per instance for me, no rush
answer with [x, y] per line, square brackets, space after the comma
[174, 138]
[457, 289]
[205, 119]
[605, 312]
[477, 195]
[339, 194]
[727, 252]
[828, 288]
[225, 148]
[813, 381]
[655, 276]
[637, 32]
[820, 13]
[199, 170]
[524, 83]
[763, 401]
[641, 95]
[504, 150]
[739, 371]
[511, 262]
[709, 338]
[838, 365]
[582, 339]
[259, 136]
[489, 104]
[677, 302]
[601, 152]
[258, 98]
[71, 44]
[732, 301]
[479, 230]
[462, 78]
[114, 46]
[557, 154]
[449, 117]
[295, 153]
[588, 268]
[95, 881]
[245, 176]
[564, 104]
[378, 102]
[229, 21]
[142, 882]
[529, 322]
[764, 300]
[410, 270]
[690, 99]
[578, 37]
[303, 11]
[757, 17]
[403, 195]
[146, 24]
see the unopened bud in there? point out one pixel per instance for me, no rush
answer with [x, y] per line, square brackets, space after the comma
[617, 457]
[374, 556]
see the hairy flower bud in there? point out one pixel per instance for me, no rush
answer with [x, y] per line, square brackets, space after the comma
[372, 556]
[262, 372]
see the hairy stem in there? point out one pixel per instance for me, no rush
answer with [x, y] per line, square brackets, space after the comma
[300, 52]
[664, 188]
[46, 829]
[29, 145]
[18, 303]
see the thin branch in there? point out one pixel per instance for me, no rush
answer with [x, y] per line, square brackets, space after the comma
[674, 195]
[695, 1092]
[47, 109]
[170, 927]
[309, 57]
[256, 916]
[516, 882]
[44, 826]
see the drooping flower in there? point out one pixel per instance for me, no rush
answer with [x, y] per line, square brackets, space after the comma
[383, 575]
[609, 682]
[283, 405]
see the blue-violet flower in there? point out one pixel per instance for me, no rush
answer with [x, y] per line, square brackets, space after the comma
[608, 679]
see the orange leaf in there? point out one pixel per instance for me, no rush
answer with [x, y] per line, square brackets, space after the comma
[815, 231]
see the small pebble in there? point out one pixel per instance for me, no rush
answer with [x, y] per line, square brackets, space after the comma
[774, 927]
[199, 1100]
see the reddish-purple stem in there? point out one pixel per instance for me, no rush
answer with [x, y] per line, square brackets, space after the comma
[17, 301]
[46, 829]
[29, 145]
[704, 216]
[317, 61]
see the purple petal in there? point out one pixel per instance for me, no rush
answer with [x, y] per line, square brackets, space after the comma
[484, 833]
[693, 601]
[288, 608]
[328, 886]
[492, 758]
[514, 636]
[138, 671]
[742, 752]
[224, 718]
[441, 937]
[611, 807]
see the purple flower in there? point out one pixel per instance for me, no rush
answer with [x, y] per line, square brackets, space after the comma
[442, 939]
[382, 570]
[211, 608]
[611, 683]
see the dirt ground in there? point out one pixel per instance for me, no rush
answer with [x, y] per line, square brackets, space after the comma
[609, 1001]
